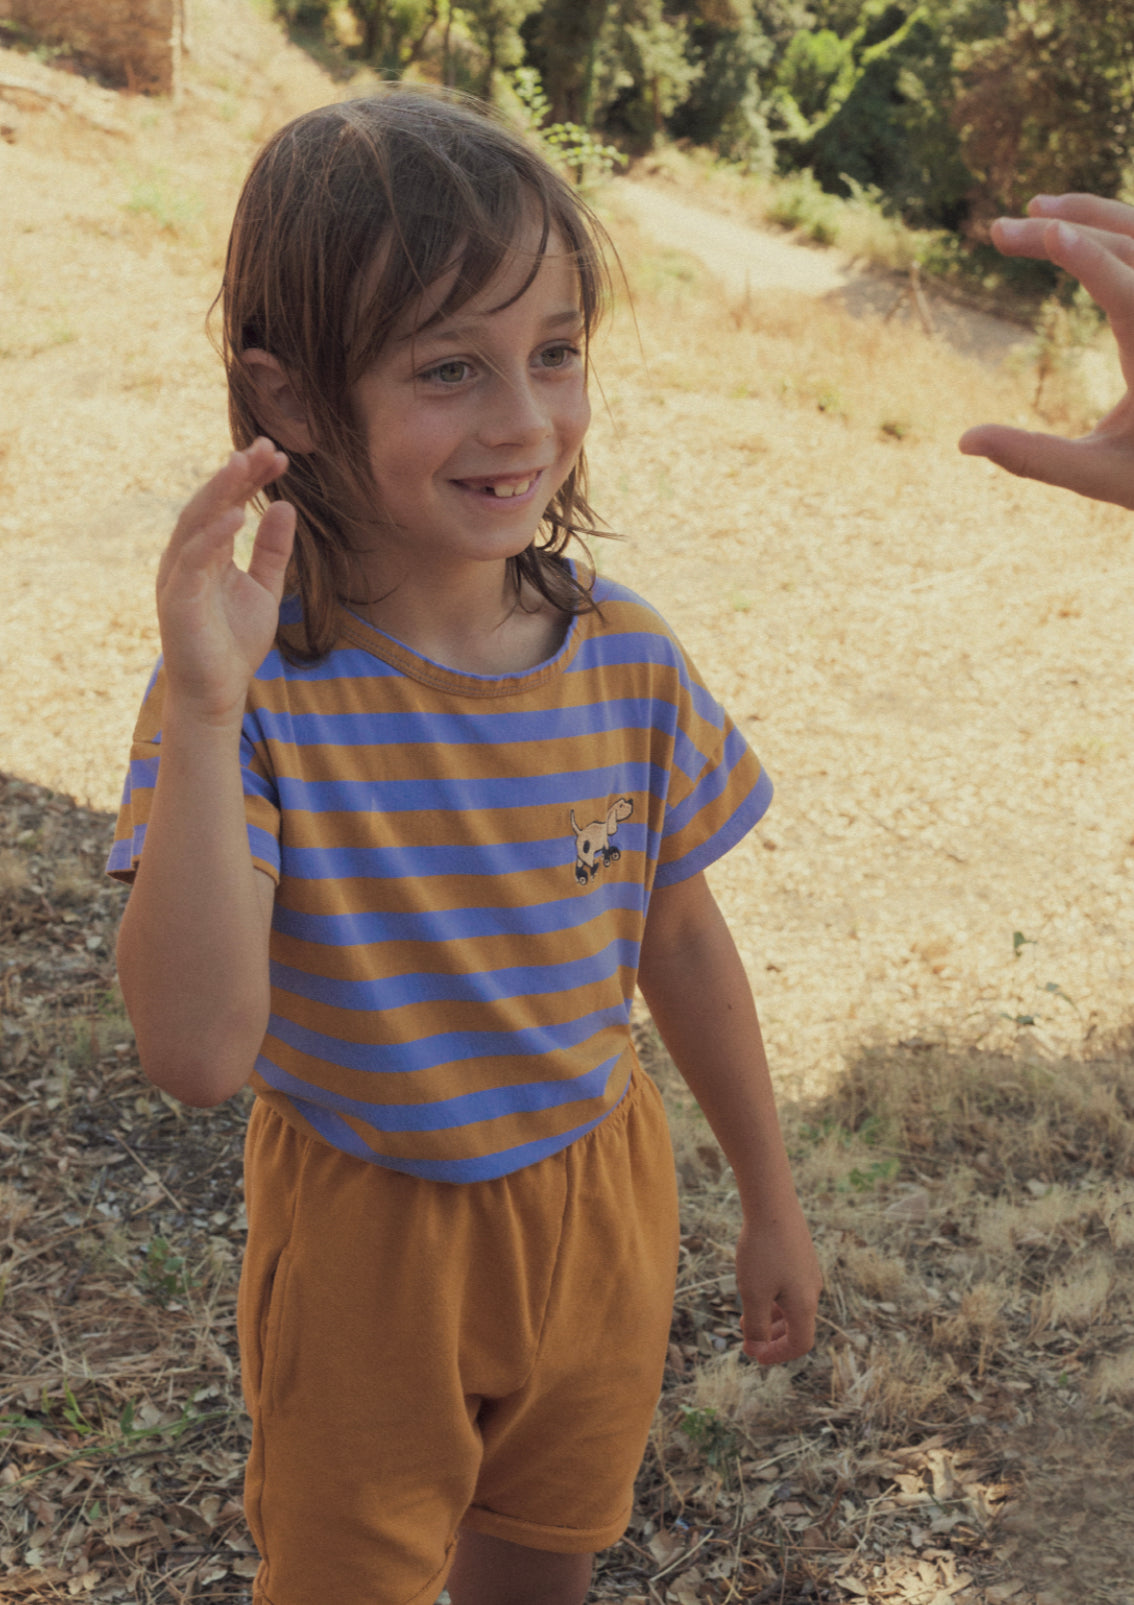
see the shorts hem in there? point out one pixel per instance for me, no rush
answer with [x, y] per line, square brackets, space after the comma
[558, 1540]
[426, 1595]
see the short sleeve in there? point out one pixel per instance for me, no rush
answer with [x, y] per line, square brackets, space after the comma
[261, 803]
[718, 789]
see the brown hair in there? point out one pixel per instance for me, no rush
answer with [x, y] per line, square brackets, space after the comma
[348, 215]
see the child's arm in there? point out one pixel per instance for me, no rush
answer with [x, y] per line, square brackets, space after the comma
[692, 979]
[193, 948]
[1094, 240]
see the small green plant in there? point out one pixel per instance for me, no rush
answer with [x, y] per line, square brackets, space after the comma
[1057, 992]
[105, 1442]
[174, 210]
[164, 1275]
[715, 1440]
[568, 145]
[1020, 941]
[74, 1415]
[865, 1181]
[801, 202]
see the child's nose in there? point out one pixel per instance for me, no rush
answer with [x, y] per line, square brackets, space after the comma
[514, 414]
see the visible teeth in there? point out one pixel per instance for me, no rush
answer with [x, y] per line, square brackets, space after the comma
[512, 490]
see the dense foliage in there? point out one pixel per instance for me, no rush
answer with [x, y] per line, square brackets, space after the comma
[950, 110]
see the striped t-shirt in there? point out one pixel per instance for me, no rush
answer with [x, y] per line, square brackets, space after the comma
[464, 866]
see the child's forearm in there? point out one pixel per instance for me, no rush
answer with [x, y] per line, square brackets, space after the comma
[692, 978]
[193, 948]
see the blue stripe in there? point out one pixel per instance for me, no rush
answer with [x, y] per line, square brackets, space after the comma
[121, 855]
[333, 1129]
[477, 728]
[264, 846]
[629, 648]
[621, 651]
[395, 863]
[461, 796]
[343, 663]
[448, 924]
[141, 775]
[713, 784]
[467, 1109]
[739, 823]
[447, 1047]
[480, 986]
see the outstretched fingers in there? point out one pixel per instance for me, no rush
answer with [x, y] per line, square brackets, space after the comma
[1091, 211]
[1102, 262]
[1093, 466]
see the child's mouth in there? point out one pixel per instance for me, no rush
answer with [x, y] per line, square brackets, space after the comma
[500, 489]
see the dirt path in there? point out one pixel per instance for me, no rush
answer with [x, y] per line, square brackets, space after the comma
[752, 261]
[742, 257]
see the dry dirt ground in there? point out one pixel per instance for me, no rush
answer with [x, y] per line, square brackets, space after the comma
[935, 664]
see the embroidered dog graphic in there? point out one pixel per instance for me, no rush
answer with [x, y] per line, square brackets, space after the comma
[593, 846]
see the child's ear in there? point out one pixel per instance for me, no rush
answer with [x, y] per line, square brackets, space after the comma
[279, 404]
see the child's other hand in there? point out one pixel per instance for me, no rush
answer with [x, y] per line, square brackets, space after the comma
[779, 1281]
[1094, 240]
[218, 622]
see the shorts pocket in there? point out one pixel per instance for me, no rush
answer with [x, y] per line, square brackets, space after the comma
[271, 1329]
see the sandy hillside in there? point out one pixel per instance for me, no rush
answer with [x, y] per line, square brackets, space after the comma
[933, 661]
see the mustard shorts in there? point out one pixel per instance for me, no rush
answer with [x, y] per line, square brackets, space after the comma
[420, 1356]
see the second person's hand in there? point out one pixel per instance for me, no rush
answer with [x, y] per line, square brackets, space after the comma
[1093, 239]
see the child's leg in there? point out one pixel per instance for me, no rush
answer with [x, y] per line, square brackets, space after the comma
[492, 1571]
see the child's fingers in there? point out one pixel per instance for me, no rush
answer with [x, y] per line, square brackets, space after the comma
[271, 550]
[787, 1335]
[783, 1330]
[1087, 467]
[245, 473]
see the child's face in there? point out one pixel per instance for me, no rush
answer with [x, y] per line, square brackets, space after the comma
[474, 423]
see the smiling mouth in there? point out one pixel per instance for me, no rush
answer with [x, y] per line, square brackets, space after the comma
[501, 489]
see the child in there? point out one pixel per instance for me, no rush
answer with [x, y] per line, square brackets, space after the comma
[1094, 240]
[409, 840]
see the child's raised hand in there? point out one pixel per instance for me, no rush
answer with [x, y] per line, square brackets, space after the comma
[218, 621]
[1094, 240]
[779, 1282]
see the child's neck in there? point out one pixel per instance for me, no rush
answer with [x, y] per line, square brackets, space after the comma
[477, 625]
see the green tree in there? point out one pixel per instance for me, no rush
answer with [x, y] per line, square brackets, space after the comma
[495, 26]
[643, 71]
[887, 123]
[1048, 104]
[562, 38]
[392, 33]
[817, 71]
[725, 107]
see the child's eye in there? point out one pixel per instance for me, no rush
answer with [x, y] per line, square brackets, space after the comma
[453, 372]
[559, 356]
